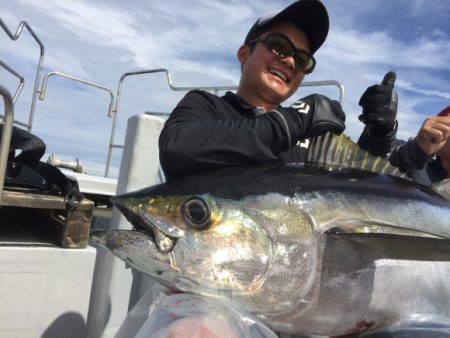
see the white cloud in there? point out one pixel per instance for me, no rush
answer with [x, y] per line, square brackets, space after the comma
[147, 44]
[422, 91]
[93, 21]
[379, 48]
[423, 7]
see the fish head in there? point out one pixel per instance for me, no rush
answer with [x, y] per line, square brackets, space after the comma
[196, 243]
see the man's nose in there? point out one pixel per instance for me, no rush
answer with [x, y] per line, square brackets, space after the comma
[289, 61]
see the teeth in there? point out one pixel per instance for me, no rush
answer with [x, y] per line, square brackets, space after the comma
[279, 74]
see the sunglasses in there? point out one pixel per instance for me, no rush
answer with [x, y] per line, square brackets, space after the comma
[283, 47]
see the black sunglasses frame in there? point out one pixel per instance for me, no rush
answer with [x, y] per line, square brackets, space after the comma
[293, 53]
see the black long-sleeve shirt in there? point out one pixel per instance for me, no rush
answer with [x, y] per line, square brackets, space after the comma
[422, 168]
[205, 131]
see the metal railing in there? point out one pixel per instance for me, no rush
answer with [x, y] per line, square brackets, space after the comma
[73, 78]
[20, 77]
[14, 37]
[339, 85]
[215, 89]
[6, 135]
[112, 110]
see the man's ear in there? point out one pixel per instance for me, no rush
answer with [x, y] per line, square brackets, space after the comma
[243, 53]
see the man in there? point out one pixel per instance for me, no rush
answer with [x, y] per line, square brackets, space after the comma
[426, 158]
[205, 131]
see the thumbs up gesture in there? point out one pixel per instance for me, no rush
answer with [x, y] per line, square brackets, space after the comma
[379, 106]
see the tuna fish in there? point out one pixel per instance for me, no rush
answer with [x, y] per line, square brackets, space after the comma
[315, 249]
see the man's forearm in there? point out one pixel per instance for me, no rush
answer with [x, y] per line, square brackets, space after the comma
[198, 145]
[409, 156]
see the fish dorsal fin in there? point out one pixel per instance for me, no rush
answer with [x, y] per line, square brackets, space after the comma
[334, 152]
[443, 188]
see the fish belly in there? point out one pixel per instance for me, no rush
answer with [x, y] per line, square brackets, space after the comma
[369, 282]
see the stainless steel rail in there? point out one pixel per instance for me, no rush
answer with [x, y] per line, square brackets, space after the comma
[20, 77]
[216, 90]
[14, 37]
[73, 78]
[339, 85]
[304, 84]
[6, 135]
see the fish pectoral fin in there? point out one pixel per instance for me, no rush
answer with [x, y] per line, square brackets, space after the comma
[367, 226]
[442, 188]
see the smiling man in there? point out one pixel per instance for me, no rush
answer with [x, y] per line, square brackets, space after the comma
[267, 77]
[205, 131]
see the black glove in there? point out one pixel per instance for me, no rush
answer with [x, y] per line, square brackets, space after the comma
[325, 115]
[379, 107]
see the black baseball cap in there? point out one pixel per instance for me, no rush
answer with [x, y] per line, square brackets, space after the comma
[310, 16]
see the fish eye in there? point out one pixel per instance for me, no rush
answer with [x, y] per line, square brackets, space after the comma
[196, 213]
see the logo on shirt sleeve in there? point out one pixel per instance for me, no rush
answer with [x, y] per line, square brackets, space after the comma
[301, 107]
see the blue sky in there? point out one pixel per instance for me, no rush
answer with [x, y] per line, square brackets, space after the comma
[197, 40]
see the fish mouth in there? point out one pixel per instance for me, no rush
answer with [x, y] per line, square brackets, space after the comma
[164, 242]
[135, 248]
[138, 222]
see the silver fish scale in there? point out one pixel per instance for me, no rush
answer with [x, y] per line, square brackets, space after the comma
[294, 261]
[330, 209]
[318, 309]
[360, 286]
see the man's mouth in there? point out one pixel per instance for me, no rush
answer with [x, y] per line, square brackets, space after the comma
[280, 74]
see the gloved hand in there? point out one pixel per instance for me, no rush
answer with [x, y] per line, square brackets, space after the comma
[326, 115]
[379, 107]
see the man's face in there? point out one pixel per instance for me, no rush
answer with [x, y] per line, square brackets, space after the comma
[259, 67]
